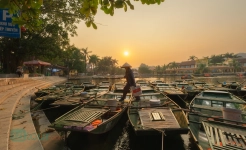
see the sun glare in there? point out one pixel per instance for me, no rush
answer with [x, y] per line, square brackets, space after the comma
[126, 53]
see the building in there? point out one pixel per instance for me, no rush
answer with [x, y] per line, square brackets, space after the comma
[190, 67]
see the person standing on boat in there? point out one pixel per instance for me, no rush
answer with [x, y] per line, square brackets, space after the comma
[130, 81]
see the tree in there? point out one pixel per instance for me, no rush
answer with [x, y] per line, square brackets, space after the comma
[32, 10]
[94, 59]
[85, 52]
[144, 69]
[235, 64]
[164, 68]
[46, 44]
[158, 69]
[173, 65]
[230, 55]
[202, 68]
[73, 59]
[214, 59]
[107, 65]
[192, 57]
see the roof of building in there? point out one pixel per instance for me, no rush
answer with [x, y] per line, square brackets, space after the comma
[241, 60]
[187, 63]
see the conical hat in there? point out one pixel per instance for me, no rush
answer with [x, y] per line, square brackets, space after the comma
[126, 65]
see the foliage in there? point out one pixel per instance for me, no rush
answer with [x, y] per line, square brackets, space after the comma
[173, 65]
[73, 59]
[235, 64]
[85, 53]
[192, 57]
[46, 44]
[93, 60]
[202, 68]
[107, 65]
[33, 10]
[158, 69]
[214, 59]
[230, 55]
[144, 69]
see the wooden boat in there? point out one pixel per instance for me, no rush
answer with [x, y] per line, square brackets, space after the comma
[153, 83]
[155, 114]
[211, 103]
[99, 89]
[208, 86]
[96, 117]
[88, 85]
[227, 136]
[230, 84]
[72, 101]
[118, 87]
[189, 81]
[173, 93]
[105, 83]
[46, 91]
[142, 83]
[199, 83]
[175, 82]
[191, 90]
[139, 81]
[186, 77]
[148, 89]
[51, 98]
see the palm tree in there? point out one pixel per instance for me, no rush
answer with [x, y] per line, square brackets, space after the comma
[173, 65]
[158, 69]
[235, 64]
[214, 59]
[164, 68]
[192, 57]
[85, 52]
[94, 59]
[107, 64]
[228, 55]
[202, 68]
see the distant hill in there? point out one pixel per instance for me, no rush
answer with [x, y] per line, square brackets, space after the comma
[242, 55]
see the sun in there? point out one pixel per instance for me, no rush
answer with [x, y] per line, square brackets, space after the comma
[126, 53]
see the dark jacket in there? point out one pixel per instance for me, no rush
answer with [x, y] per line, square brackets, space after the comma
[130, 77]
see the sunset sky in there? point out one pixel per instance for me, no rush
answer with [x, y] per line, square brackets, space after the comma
[173, 31]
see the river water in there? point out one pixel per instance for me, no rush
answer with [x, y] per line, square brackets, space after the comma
[122, 136]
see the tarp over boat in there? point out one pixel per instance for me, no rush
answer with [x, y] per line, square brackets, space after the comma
[37, 62]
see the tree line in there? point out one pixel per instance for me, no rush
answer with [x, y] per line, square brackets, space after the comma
[201, 68]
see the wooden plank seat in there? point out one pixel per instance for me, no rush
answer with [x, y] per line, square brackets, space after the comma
[225, 136]
[158, 118]
[83, 117]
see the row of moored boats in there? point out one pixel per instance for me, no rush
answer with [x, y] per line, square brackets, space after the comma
[213, 115]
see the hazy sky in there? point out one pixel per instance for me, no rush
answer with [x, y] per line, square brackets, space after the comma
[172, 31]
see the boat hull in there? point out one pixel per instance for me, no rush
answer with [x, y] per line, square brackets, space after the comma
[142, 119]
[179, 99]
[102, 128]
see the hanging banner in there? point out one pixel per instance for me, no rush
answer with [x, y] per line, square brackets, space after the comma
[7, 29]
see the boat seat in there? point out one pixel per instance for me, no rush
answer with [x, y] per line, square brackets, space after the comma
[224, 137]
[85, 116]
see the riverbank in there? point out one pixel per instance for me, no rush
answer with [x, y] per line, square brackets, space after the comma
[16, 121]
